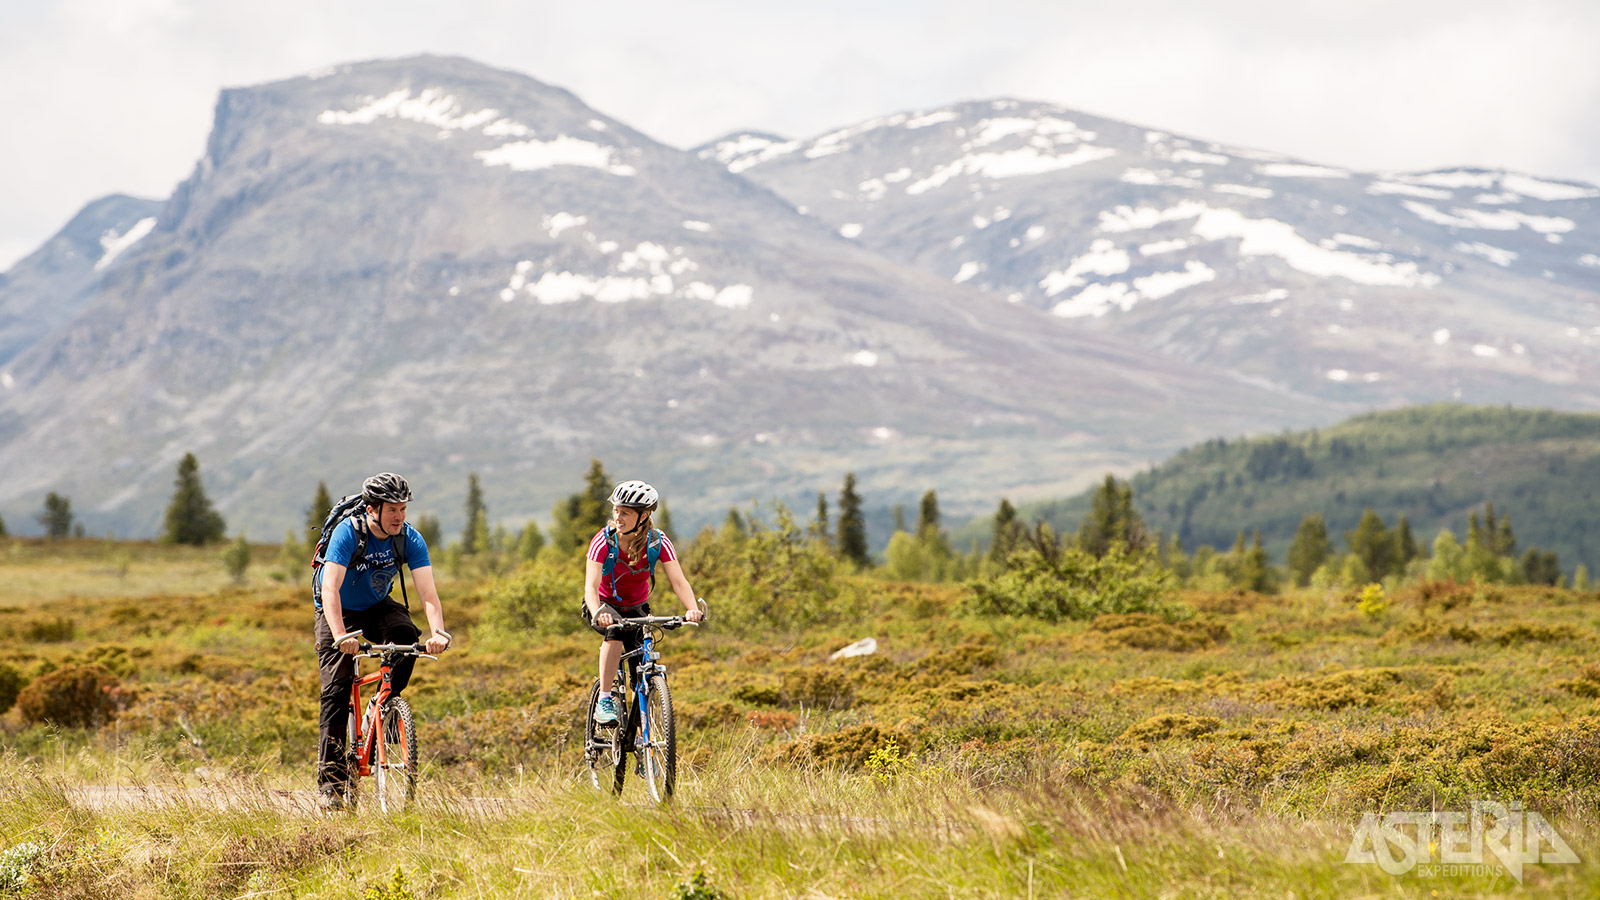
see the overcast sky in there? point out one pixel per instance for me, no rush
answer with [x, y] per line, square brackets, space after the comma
[116, 95]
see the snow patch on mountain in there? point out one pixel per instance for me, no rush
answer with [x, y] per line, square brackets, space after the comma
[1165, 177]
[432, 107]
[1185, 155]
[1245, 190]
[1270, 237]
[557, 222]
[1300, 170]
[1494, 220]
[1009, 164]
[1500, 257]
[113, 244]
[936, 117]
[1545, 190]
[1162, 284]
[1379, 188]
[524, 156]
[1103, 258]
[648, 270]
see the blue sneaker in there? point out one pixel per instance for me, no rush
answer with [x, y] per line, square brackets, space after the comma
[605, 712]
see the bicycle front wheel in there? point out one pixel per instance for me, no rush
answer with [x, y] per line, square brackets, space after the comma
[660, 747]
[396, 766]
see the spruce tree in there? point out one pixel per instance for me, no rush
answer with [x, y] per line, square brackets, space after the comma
[929, 534]
[3, 532]
[852, 539]
[819, 524]
[1372, 542]
[575, 519]
[475, 538]
[1405, 544]
[1006, 531]
[733, 526]
[190, 518]
[428, 528]
[1112, 519]
[1309, 549]
[56, 517]
[321, 505]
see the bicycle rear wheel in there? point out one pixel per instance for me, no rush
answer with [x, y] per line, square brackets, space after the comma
[396, 767]
[660, 750]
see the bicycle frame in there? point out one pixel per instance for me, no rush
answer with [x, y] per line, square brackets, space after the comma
[647, 663]
[368, 730]
[369, 723]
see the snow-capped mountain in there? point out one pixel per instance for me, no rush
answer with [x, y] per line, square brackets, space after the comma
[1381, 289]
[45, 290]
[434, 267]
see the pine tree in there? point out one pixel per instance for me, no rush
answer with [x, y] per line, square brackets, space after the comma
[929, 534]
[321, 505]
[819, 524]
[3, 532]
[1372, 542]
[852, 539]
[1112, 519]
[475, 537]
[1405, 544]
[56, 517]
[574, 520]
[1309, 549]
[190, 518]
[1255, 569]
[428, 528]
[1006, 531]
[899, 515]
[662, 518]
[733, 526]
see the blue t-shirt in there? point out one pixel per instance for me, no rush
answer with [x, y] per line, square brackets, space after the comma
[367, 582]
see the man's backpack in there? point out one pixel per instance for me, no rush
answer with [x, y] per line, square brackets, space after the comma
[652, 553]
[353, 506]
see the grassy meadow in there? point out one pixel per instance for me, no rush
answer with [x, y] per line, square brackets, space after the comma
[1225, 747]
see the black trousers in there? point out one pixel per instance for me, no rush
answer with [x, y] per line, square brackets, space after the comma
[386, 623]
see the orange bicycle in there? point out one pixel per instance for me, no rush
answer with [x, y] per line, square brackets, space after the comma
[381, 740]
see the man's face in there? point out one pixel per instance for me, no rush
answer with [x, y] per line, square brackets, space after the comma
[389, 516]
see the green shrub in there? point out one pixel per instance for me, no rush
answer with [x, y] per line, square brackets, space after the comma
[774, 577]
[1072, 584]
[538, 600]
[80, 696]
[11, 682]
[52, 630]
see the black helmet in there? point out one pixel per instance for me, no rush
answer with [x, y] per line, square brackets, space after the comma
[385, 487]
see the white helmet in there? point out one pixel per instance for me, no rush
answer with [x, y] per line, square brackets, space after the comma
[636, 495]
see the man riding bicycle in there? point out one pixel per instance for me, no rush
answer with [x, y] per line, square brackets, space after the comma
[620, 573]
[351, 593]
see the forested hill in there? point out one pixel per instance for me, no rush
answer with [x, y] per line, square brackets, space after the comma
[1433, 464]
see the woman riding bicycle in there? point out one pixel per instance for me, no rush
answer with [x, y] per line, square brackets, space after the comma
[620, 573]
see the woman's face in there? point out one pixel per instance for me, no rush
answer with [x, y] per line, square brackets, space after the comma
[626, 516]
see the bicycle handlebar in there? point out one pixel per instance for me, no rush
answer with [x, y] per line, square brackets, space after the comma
[375, 650]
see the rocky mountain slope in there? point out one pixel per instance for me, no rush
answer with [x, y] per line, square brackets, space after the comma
[1379, 289]
[435, 267]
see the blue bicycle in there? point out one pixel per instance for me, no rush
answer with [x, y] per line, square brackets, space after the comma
[646, 729]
